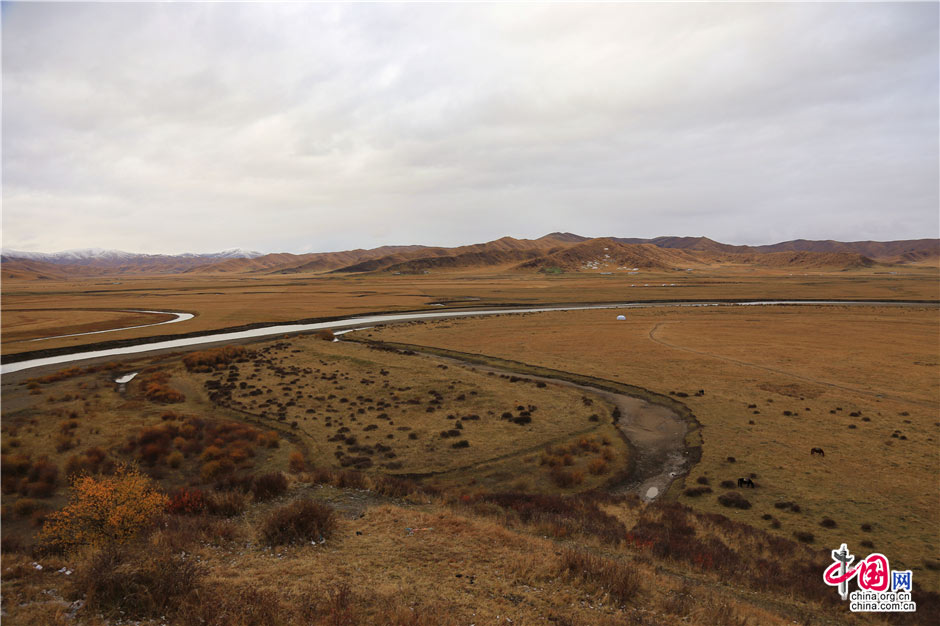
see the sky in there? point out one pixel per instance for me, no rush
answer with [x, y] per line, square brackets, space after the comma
[170, 128]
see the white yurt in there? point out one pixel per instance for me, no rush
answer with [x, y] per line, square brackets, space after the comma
[621, 318]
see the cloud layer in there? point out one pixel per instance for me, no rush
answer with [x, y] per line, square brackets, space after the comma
[311, 127]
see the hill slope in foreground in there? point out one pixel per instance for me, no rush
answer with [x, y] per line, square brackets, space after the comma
[560, 251]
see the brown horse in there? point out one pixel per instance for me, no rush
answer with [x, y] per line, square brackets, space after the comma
[816, 451]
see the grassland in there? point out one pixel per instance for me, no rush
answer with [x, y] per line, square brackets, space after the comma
[498, 529]
[224, 301]
[858, 382]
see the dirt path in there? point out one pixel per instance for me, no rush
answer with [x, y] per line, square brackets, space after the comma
[662, 342]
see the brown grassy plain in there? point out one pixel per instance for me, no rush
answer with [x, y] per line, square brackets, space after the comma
[571, 561]
[859, 382]
[224, 301]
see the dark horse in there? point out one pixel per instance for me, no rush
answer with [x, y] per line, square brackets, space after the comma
[745, 482]
[816, 451]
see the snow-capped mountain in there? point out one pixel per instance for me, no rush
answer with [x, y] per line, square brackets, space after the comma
[98, 255]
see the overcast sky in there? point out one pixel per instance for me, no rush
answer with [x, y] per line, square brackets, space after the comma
[315, 127]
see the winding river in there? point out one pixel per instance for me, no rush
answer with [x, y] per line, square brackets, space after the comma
[367, 320]
[180, 317]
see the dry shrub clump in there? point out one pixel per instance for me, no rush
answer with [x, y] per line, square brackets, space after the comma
[269, 486]
[214, 358]
[135, 583]
[296, 462]
[222, 446]
[33, 479]
[615, 578]
[555, 515]
[156, 389]
[226, 504]
[92, 461]
[734, 500]
[70, 372]
[298, 522]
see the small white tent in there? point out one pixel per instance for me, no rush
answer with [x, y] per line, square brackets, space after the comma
[621, 318]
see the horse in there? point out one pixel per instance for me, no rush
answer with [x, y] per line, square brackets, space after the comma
[816, 451]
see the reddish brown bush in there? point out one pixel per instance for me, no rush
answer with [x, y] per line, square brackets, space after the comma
[296, 462]
[186, 501]
[156, 389]
[215, 358]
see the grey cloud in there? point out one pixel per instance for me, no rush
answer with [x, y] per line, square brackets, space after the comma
[195, 127]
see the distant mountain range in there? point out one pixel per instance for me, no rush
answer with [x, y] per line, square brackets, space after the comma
[555, 251]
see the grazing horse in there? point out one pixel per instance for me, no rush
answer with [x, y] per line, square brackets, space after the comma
[745, 482]
[816, 451]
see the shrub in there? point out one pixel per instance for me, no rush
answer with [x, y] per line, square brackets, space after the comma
[804, 536]
[175, 459]
[564, 478]
[298, 522]
[135, 584]
[24, 507]
[227, 504]
[214, 358]
[325, 335]
[296, 462]
[598, 467]
[156, 389]
[694, 492]
[269, 486]
[210, 470]
[828, 522]
[735, 500]
[186, 501]
[105, 510]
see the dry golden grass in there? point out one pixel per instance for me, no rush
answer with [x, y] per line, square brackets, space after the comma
[820, 364]
[25, 325]
[355, 406]
[225, 301]
[402, 564]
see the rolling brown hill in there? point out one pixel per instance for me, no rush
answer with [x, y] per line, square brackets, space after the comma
[25, 269]
[703, 244]
[608, 254]
[562, 250]
[903, 251]
[492, 253]
[285, 263]
[873, 249]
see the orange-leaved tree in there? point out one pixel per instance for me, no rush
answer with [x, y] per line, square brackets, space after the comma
[105, 510]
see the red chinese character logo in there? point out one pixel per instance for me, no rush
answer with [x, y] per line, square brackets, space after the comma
[873, 573]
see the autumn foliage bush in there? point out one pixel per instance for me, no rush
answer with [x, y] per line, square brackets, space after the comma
[105, 510]
[214, 358]
[156, 389]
